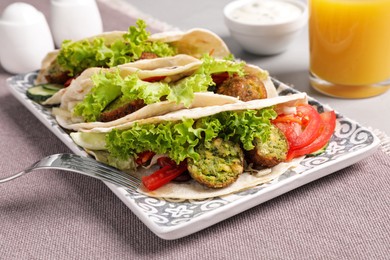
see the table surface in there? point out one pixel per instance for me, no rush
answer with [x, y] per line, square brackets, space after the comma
[290, 67]
[62, 215]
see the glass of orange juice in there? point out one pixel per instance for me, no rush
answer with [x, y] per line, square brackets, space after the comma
[350, 47]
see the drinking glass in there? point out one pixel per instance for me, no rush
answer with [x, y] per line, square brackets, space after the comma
[350, 47]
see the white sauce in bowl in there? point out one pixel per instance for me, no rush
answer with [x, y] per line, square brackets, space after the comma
[263, 12]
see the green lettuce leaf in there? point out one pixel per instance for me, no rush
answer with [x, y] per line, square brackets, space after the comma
[245, 126]
[179, 139]
[183, 91]
[150, 92]
[211, 66]
[75, 57]
[108, 86]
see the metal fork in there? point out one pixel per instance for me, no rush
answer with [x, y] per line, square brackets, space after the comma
[84, 165]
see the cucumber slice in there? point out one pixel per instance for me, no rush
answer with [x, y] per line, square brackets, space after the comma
[40, 93]
[51, 86]
[319, 151]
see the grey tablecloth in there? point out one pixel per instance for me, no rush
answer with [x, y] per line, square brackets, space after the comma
[59, 215]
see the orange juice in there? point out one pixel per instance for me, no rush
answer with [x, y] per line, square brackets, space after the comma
[350, 47]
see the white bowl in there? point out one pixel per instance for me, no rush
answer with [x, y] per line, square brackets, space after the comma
[256, 32]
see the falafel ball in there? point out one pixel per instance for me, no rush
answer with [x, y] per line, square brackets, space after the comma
[246, 88]
[271, 152]
[220, 164]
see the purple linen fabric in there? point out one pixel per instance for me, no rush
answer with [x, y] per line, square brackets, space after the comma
[61, 215]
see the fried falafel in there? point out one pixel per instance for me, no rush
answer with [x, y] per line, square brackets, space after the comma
[271, 152]
[246, 88]
[220, 164]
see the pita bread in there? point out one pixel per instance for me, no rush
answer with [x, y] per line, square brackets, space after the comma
[192, 189]
[195, 42]
[172, 68]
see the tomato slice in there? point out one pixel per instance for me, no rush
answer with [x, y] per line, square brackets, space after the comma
[327, 127]
[301, 128]
[291, 130]
[163, 176]
[310, 132]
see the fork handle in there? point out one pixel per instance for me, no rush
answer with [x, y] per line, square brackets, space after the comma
[10, 178]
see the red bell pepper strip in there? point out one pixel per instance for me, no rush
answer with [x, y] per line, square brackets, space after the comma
[163, 176]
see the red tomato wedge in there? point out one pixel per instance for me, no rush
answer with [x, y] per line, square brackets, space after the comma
[300, 129]
[307, 131]
[163, 176]
[310, 131]
[291, 130]
[327, 127]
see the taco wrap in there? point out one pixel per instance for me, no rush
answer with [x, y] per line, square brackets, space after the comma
[119, 47]
[108, 97]
[220, 149]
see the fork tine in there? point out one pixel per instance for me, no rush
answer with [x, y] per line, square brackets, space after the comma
[107, 169]
[104, 170]
[83, 165]
[119, 178]
[123, 183]
[93, 168]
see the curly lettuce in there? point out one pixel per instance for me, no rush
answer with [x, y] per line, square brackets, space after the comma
[183, 91]
[134, 88]
[106, 89]
[109, 86]
[179, 139]
[76, 56]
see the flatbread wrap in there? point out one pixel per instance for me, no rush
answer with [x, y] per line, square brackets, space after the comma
[119, 47]
[106, 97]
[222, 149]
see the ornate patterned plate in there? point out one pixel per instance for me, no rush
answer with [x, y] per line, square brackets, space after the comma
[172, 219]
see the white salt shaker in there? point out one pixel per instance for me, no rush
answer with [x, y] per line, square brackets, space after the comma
[74, 20]
[25, 38]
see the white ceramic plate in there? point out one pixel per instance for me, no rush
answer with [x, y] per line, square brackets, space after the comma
[172, 219]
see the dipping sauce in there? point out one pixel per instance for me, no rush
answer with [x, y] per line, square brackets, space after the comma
[264, 12]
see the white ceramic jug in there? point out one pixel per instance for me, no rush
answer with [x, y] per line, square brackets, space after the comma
[74, 20]
[25, 38]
